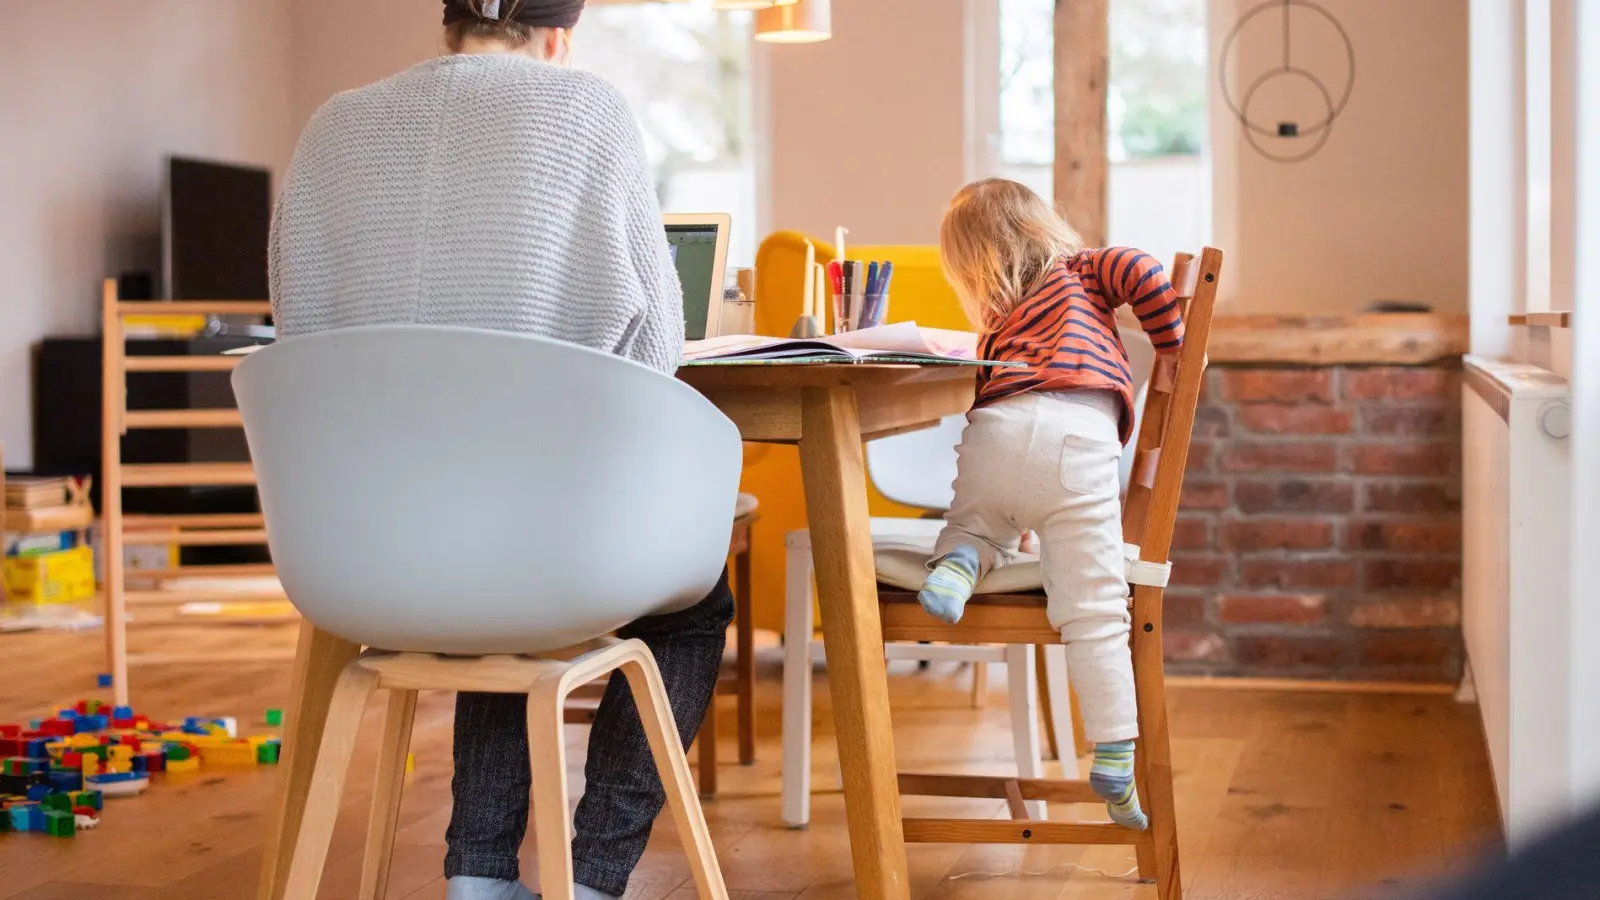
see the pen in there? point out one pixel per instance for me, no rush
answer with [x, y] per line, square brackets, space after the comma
[872, 278]
[860, 294]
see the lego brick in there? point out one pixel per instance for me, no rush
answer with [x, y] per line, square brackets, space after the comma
[57, 802]
[267, 753]
[103, 680]
[91, 799]
[238, 753]
[20, 815]
[10, 731]
[275, 718]
[60, 824]
[179, 766]
[37, 792]
[66, 779]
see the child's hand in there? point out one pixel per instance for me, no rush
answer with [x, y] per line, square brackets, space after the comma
[1029, 543]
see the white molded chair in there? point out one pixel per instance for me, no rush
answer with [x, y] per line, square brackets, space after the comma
[451, 491]
[919, 469]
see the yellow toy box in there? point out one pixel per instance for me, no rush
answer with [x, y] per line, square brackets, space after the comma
[59, 577]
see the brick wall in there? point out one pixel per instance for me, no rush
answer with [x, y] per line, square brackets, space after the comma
[1320, 529]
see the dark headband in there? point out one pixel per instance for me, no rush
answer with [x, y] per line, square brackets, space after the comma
[533, 13]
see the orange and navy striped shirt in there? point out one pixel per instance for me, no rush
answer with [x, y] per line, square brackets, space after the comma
[1066, 331]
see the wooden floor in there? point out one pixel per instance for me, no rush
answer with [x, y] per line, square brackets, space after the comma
[1282, 795]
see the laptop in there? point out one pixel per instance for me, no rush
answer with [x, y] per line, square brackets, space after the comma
[699, 246]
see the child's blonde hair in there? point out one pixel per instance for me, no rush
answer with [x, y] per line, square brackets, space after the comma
[997, 243]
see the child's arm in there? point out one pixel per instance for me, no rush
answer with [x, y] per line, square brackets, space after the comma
[1134, 277]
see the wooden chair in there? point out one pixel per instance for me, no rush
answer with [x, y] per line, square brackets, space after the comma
[742, 684]
[1149, 513]
[585, 702]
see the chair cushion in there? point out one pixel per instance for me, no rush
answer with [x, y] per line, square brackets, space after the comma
[901, 553]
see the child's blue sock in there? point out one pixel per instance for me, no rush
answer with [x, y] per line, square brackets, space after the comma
[1111, 777]
[949, 586]
[470, 887]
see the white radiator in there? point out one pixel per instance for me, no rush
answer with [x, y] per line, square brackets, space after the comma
[1515, 600]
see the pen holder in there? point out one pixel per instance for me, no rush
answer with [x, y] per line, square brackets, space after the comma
[852, 313]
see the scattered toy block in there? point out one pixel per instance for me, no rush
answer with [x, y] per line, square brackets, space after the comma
[66, 779]
[17, 814]
[178, 766]
[239, 753]
[60, 824]
[267, 753]
[411, 763]
[121, 784]
[38, 792]
[91, 799]
[10, 731]
[275, 718]
[57, 802]
[103, 680]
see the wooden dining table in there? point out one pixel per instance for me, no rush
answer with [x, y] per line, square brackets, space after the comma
[828, 411]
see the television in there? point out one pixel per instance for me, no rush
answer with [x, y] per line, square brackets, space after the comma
[214, 223]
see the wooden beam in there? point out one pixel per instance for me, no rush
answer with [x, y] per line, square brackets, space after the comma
[1392, 339]
[1082, 70]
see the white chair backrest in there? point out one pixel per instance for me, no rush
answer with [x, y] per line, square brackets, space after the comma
[918, 468]
[462, 491]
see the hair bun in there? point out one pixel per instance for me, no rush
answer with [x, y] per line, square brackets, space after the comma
[532, 13]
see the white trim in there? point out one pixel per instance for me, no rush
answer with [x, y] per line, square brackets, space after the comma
[1585, 531]
[1497, 252]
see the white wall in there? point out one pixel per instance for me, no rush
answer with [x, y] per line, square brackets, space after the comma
[90, 103]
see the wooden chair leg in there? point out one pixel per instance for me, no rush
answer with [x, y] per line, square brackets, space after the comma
[386, 794]
[980, 684]
[1085, 746]
[707, 741]
[1025, 718]
[797, 689]
[319, 659]
[1047, 700]
[350, 695]
[548, 755]
[745, 664]
[655, 711]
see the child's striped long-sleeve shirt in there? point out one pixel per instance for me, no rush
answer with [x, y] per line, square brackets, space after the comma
[1066, 332]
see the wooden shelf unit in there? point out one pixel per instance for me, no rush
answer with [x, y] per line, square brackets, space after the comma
[121, 531]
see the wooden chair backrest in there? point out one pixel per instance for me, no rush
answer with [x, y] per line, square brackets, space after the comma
[1151, 508]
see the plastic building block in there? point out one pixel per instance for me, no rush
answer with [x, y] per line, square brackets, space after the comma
[10, 731]
[118, 785]
[20, 816]
[85, 823]
[411, 763]
[67, 712]
[103, 680]
[275, 718]
[91, 799]
[38, 792]
[267, 753]
[178, 766]
[229, 725]
[57, 802]
[22, 765]
[66, 779]
[152, 760]
[121, 712]
[60, 824]
[177, 752]
[239, 753]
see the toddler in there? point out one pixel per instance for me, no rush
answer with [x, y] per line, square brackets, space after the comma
[1042, 445]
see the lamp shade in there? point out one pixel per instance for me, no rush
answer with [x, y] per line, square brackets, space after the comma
[805, 22]
[745, 4]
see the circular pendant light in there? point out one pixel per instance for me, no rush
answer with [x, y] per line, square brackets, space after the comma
[801, 22]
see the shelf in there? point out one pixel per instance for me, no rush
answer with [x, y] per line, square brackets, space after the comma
[244, 537]
[194, 308]
[187, 474]
[142, 521]
[182, 418]
[176, 598]
[235, 570]
[180, 363]
[50, 518]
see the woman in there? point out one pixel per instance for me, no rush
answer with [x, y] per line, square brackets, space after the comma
[496, 188]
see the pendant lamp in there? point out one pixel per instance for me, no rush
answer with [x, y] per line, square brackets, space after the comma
[802, 22]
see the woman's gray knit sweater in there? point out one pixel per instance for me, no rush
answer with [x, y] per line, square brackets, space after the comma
[489, 192]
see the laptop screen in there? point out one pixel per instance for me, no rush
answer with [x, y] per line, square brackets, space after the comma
[694, 253]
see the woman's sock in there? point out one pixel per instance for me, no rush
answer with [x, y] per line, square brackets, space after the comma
[1111, 776]
[949, 586]
[471, 887]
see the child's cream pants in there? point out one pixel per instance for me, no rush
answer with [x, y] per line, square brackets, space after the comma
[1048, 463]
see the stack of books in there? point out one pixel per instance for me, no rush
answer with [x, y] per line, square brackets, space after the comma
[46, 559]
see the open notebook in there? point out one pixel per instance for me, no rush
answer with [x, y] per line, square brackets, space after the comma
[900, 342]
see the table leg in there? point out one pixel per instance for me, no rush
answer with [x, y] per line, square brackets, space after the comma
[841, 545]
[319, 659]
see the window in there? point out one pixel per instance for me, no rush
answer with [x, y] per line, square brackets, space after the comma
[685, 70]
[1156, 115]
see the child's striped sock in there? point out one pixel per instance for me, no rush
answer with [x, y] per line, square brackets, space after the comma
[949, 586]
[1111, 776]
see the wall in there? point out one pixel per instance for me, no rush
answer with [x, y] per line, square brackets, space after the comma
[1381, 211]
[89, 113]
[338, 46]
[868, 130]
[1320, 527]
